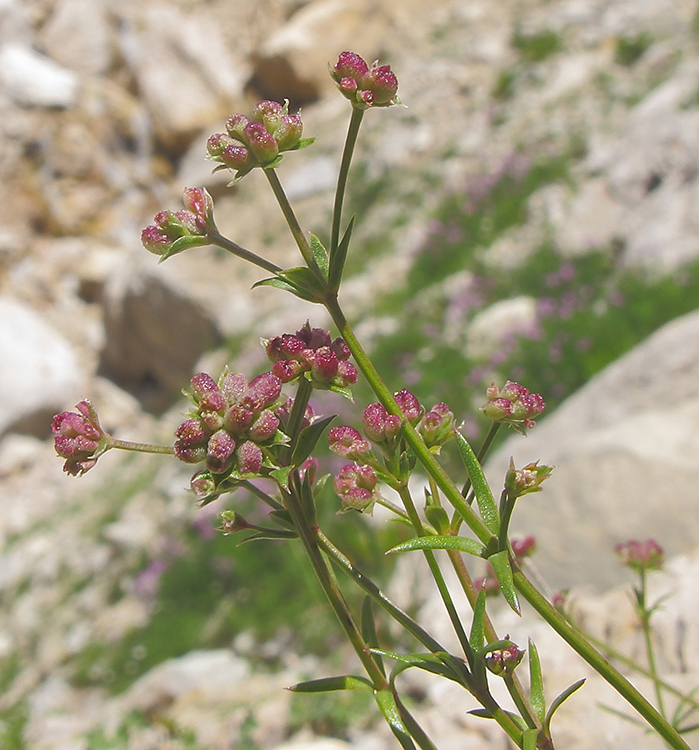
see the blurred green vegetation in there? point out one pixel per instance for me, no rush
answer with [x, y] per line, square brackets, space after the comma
[630, 49]
[536, 47]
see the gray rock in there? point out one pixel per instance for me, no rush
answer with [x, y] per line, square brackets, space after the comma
[34, 79]
[625, 448]
[39, 370]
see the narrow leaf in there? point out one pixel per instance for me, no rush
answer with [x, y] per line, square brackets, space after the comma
[283, 518]
[337, 262]
[477, 636]
[369, 630]
[328, 684]
[427, 662]
[281, 476]
[308, 439]
[500, 562]
[320, 255]
[484, 497]
[268, 534]
[558, 700]
[416, 731]
[536, 684]
[460, 543]
[483, 713]
[387, 704]
[438, 517]
[308, 503]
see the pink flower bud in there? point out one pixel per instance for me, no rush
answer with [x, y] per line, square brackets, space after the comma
[192, 455]
[202, 383]
[374, 422]
[313, 338]
[349, 65]
[288, 132]
[262, 145]
[235, 125]
[263, 391]
[342, 351]
[269, 113]
[504, 660]
[219, 452]
[201, 205]
[286, 371]
[520, 482]
[79, 438]
[218, 143]
[409, 405]
[357, 487]
[346, 374]
[437, 426]
[348, 443]
[523, 548]
[249, 458]
[264, 427]
[234, 386]
[238, 418]
[155, 241]
[325, 364]
[191, 432]
[640, 556]
[348, 85]
[383, 84]
[237, 157]
[513, 405]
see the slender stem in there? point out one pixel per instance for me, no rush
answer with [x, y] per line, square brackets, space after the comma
[485, 447]
[261, 494]
[127, 445]
[292, 221]
[298, 411]
[225, 244]
[644, 615]
[352, 132]
[598, 662]
[333, 593]
[437, 574]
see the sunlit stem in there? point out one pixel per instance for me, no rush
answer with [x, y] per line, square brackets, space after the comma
[225, 244]
[127, 445]
[352, 132]
[644, 615]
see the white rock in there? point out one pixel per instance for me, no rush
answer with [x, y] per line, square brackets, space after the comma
[39, 370]
[34, 79]
[498, 323]
[317, 175]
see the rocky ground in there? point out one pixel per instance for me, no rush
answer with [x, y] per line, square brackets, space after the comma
[105, 109]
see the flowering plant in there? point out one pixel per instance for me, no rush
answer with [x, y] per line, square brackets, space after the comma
[261, 434]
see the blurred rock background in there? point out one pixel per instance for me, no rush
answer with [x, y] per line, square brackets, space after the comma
[530, 214]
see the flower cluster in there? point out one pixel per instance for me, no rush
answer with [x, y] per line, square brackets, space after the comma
[259, 140]
[640, 556]
[528, 479]
[357, 487]
[513, 405]
[232, 420]
[79, 438]
[504, 660]
[175, 231]
[364, 86]
[311, 350]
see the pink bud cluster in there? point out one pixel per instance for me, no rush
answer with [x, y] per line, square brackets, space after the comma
[357, 487]
[365, 86]
[175, 231]
[513, 405]
[257, 141]
[504, 660]
[79, 438]
[528, 479]
[232, 419]
[640, 556]
[310, 350]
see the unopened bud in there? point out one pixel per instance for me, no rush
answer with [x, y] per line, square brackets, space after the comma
[528, 479]
[262, 145]
[219, 452]
[249, 458]
[504, 660]
[347, 442]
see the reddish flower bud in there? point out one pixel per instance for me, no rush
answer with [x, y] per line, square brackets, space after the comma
[349, 65]
[191, 432]
[383, 84]
[513, 405]
[288, 132]
[357, 487]
[286, 371]
[348, 443]
[313, 338]
[409, 405]
[219, 451]
[346, 374]
[374, 422]
[263, 391]
[520, 482]
[237, 157]
[238, 418]
[342, 351]
[79, 438]
[218, 143]
[437, 426]
[235, 125]
[201, 205]
[504, 660]
[234, 386]
[640, 556]
[264, 427]
[249, 458]
[268, 113]
[262, 145]
[325, 364]
[523, 548]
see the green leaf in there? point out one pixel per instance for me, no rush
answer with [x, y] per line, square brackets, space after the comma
[283, 518]
[484, 497]
[320, 255]
[184, 243]
[557, 701]
[268, 534]
[536, 684]
[281, 476]
[303, 143]
[416, 731]
[369, 630]
[308, 440]
[308, 504]
[328, 684]
[344, 391]
[438, 517]
[337, 262]
[387, 704]
[500, 563]
[485, 714]
[460, 543]
[529, 738]
[477, 636]
[274, 163]
[427, 662]
[300, 281]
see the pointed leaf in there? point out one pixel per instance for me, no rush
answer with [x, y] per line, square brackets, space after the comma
[477, 636]
[337, 261]
[558, 700]
[484, 497]
[485, 714]
[369, 630]
[529, 738]
[308, 439]
[274, 163]
[268, 534]
[460, 543]
[320, 255]
[344, 391]
[328, 684]
[428, 662]
[387, 704]
[308, 504]
[416, 731]
[283, 518]
[281, 476]
[500, 563]
[536, 684]
[303, 143]
[438, 517]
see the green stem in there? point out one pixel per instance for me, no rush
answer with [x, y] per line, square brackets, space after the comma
[261, 494]
[333, 593]
[644, 616]
[225, 244]
[292, 221]
[485, 447]
[352, 132]
[437, 574]
[127, 445]
[578, 642]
